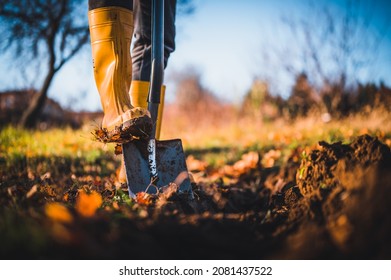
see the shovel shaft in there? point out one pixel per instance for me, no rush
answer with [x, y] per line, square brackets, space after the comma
[157, 72]
[157, 65]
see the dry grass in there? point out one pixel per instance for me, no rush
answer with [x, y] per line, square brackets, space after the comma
[236, 131]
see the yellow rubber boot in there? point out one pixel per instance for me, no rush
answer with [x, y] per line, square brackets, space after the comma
[111, 30]
[139, 98]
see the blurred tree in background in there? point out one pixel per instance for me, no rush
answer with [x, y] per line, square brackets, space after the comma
[303, 98]
[194, 100]
[334, 45]
[329, 50]
[49, 32]
[260, 104]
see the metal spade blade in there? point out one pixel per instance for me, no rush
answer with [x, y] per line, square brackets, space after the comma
[171, 167]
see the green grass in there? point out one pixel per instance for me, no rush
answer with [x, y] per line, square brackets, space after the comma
[57, 151]
[217, 146]
[54, 142]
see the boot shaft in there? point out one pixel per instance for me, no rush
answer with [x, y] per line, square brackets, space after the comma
[111, 30]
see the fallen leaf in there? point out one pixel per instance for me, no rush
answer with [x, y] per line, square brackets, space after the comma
[115, 205]
[45, 176]
[169, 190]
[48, 190]
[99, 134]
[32, 191]
[270, 158]
[248, 161]
[144, 198]
[10, 190]
[194, 164]
[118, 149]
[87, 204]
[65, 197]
[251, 159]
[58, 212]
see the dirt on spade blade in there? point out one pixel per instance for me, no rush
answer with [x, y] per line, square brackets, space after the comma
[333, 202]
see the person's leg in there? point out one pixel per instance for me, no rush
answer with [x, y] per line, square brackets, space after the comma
[111, 29]
[141, 52]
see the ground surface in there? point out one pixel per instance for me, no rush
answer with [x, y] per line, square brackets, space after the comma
[312, 200]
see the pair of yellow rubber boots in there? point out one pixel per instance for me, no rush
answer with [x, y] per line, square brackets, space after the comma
[124, 101]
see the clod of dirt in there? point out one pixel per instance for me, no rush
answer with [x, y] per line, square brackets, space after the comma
[133, 129]
[347, 188]
[340, 164]
[116, 136]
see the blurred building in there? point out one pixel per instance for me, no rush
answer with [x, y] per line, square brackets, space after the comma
[14, 103]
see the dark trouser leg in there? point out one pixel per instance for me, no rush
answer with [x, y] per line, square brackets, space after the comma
[94, 4]
[141, 52]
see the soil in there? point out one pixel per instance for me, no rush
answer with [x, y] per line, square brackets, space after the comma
[332, 203]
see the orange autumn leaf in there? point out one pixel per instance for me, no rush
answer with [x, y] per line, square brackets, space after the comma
[115, 205]
[194, 164]
[87, 204]
[144, 198]
[32, 191]
[248, 161]
[65, 197]
[58, 212]
[251, 159]
[270, 158]
[99, 134]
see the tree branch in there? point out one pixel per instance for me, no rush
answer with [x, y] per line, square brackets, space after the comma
[82, 41]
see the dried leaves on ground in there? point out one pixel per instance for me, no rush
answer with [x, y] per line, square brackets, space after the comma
[330, 200]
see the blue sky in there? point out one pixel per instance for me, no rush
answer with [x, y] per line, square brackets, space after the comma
[225, 41]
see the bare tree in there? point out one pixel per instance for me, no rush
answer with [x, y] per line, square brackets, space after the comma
[196, 103]
[47, 31]
[334, 44]
[338, 44]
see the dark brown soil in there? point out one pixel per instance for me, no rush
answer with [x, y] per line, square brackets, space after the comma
[334, 204]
